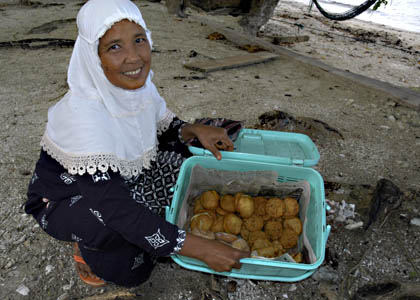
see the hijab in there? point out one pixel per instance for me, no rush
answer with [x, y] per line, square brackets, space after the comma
[96, 125]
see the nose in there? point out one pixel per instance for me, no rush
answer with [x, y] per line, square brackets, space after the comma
[132, 55]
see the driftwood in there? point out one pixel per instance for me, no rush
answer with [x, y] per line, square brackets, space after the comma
[231, 62]
[114, 295]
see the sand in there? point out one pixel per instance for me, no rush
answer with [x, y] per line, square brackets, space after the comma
[377, 51]
[370, 135]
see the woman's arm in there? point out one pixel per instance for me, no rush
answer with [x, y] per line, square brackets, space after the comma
[212, 138]
[218, 256]
[109, 196]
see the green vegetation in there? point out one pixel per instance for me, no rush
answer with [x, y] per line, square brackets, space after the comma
[379, 3]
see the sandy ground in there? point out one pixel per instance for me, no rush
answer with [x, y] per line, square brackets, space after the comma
[374, 50]
[370, 135]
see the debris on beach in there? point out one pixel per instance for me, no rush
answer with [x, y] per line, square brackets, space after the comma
[317, 130]
[386, 197]
[231, 62]
[216, 36]
[23, 290]
[343, 212]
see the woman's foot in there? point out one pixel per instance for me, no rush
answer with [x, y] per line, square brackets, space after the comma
[84, 271]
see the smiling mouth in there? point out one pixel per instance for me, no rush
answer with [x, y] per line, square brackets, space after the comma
[132, 73]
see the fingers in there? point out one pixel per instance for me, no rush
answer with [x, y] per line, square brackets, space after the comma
[224, 145]
[237, 265]
[215, 152]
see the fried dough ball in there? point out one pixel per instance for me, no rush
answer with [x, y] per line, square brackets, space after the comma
[266, 218]
[205, 234]
[255, 235]
[198, 207]
[273, 229]
[267, 251]
[240, 244]
[275, 207]
[294, 223]
[278, 248]
[225, 237]
[260, 203]
[237, 196]
[227, 203]
[202, 221]
[245, 206]
[232, 223]
[289, 238]
[254, 223]
[210, 199]
[291, 207]
[298, 257]
[221, 211]
[261, 243]
[218, 224]
[244, 233]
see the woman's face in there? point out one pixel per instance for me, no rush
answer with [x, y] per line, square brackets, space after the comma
[125, 55]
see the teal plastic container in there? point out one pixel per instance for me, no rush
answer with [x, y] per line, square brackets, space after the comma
[290, 155]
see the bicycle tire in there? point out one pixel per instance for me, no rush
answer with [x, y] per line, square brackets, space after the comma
[351, 13]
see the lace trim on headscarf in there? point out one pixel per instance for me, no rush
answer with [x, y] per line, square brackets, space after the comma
[164, 123]
[80, 164]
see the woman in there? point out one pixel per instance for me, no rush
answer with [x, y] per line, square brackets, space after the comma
[111, 152]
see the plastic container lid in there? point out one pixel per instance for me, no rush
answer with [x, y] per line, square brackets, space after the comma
[267, 146]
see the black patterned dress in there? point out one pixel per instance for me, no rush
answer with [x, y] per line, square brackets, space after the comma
[118, 222]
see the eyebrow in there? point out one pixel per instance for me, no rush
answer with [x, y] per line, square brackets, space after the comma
[116, 41]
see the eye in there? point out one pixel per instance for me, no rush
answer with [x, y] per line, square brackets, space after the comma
[114, 47]
[140, 40]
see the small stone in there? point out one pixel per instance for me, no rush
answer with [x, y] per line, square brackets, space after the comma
[385, 127]
[415, 221]
[68, 286]
[23, 290]
[354, 225]
[292, 288]
[324, 274]
[340, 219]
[64, 296]
[20, 241]
[9, 264]
[392, 118]
[48, 269]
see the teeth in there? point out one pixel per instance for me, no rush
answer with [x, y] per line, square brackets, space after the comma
[132, 72]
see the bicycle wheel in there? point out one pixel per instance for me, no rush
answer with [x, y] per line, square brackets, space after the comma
[349, 14]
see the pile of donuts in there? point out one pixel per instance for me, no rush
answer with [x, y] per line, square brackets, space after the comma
[267, 226]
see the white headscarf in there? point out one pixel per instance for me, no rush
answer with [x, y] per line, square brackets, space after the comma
[97, 125]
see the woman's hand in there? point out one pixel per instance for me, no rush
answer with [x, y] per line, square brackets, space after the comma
[218, 256]
[212, 138]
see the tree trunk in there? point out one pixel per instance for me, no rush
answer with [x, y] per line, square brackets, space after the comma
[260, 12]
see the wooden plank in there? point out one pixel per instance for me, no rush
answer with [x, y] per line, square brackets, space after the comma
[289, 39]
[232, 62]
